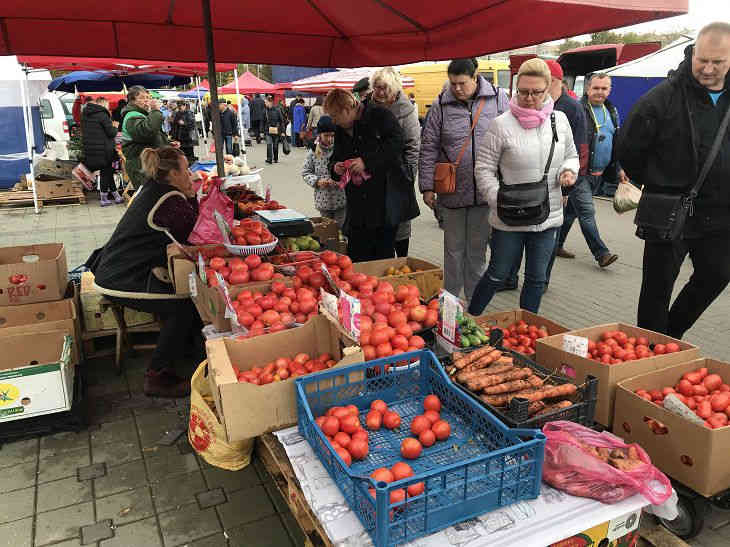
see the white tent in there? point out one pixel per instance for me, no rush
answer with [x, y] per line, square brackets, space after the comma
[339, 79]
[21, 133]
[631, 80]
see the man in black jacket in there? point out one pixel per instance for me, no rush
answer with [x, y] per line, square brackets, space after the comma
[258, 108]
[275, 126]
[229, 126]
[663, 146]
[97, 137]
[368, 153]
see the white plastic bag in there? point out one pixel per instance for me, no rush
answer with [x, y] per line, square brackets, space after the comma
[626, 198]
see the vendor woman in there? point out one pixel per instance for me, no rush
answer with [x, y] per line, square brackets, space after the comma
[132, 269]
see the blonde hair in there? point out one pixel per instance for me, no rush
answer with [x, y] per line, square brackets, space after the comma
[158, 162]
[390, 77]
[535, 67]
[338, 100]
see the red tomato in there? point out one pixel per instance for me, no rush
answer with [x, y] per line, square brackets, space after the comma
[427, 438]
[442, 430]
[360, 434]
[358, 448]
[379, 405]
[720, 401]
[345, 455]
[416, 489]
[421, 423]
[660, 349]
[704, 410]
[384, 350]
[410, 448]
[672, 347]
[320, 420]
[391, 420]
[399, 341]
[401, 470]
[331, 426]
[712, 382]
[382, 474]
[342, 438]
[432, 402]
[397, 496]
[416, 342]
[686, 388]
[432, 416]
[642, 340]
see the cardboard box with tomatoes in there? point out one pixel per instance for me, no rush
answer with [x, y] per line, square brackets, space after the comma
[428, 277]
[575, 354]
[250, 408]
[691, 450]
[520, 328]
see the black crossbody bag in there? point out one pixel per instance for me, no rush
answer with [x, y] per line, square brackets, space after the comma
[527, 204]
[662, 216]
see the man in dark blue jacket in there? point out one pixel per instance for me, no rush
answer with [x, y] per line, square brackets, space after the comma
[229, 126]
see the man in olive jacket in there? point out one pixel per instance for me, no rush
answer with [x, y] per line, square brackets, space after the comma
[663, 146]
[142, 128]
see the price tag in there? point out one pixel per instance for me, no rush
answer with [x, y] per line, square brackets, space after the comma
[350, 320]
[193, 285]
[577, 345]
[328, 302]
[201, 269]
[230, 312]
[330, 281]
[449, 309]
[268, 193]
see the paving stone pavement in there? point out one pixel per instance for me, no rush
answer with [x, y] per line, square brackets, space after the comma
[51, 487]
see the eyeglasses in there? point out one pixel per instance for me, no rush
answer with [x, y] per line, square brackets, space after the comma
[530, 92]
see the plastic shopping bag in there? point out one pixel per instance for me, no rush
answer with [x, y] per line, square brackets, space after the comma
[601, 466]
[205, 432]
[206, 229]
[626, 198]
[86, 177]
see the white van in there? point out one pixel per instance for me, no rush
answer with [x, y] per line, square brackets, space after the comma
[55, 125]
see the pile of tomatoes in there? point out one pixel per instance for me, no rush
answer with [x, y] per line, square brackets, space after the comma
[521, 336]
[251, 232]
[283, 368]
[238, 271]
[707, 395]
[616, 347]
[342, 427]
[399, 471]
[275, 310]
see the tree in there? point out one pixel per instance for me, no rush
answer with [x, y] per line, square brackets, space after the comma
[569, 44]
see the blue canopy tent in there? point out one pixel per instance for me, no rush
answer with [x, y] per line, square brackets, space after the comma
[194, 93]
[83, 80]
[21, 136]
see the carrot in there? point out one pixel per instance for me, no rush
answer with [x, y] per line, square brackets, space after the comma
[506, 387]
[551, 408]
[464, 360]
[514, 374]
[535, 381]
[466, 375]
[478, 364]
[535, 408]
[475, 383]
[505, 398]
[532, 395]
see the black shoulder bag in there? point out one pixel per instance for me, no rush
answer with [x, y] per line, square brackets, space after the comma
[527, 204]
[662, 216]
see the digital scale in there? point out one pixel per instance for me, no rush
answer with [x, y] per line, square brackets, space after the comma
[286, 222]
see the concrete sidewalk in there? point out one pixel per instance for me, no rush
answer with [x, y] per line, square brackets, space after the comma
[54, 487]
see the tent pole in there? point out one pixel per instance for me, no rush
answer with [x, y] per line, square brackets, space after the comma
[214, 113]
[240, 116]
[29, 136]
[200, 107]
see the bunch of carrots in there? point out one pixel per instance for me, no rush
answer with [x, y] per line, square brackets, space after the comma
[494, 376]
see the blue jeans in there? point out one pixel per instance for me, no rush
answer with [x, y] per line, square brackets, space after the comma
[580, 206]
[507, 248]
[229, 143]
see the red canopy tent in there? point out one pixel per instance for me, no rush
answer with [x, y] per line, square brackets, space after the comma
[247, 83]
[325, 33]
[123, 66]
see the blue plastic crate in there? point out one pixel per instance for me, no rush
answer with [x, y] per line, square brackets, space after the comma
[482, 466]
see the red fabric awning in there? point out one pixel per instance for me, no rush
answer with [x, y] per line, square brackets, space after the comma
[125, 66]
[325, 33]
[248, 83]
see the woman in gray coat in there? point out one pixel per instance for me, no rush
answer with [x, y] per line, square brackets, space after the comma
[388, 92]
[464, 212]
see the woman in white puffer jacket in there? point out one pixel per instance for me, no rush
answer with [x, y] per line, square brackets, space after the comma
[517, 146]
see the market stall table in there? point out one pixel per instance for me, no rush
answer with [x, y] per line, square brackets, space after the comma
[325, 518]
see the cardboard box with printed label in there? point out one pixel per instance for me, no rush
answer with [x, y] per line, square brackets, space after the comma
[693, 454]
[95, 319]
[36, 375]
[428, 277]
[32, 273]
[550, 354]
[61, 315]
[249, 410]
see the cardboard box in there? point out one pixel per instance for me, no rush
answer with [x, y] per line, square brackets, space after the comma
[26, 282]
[335, 244]
[180, 266]
[248, 410]
[504, 319]
[61, 315]
[550, 354]
[324, 228]
[95, 319]
[57, 188]
[692, 454]
[43, 387]
[429, 279]
[622, 531]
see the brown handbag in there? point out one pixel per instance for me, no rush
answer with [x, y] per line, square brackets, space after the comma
[444, 173]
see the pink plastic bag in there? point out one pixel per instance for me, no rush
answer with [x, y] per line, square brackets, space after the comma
[206, 230]
[572, 465]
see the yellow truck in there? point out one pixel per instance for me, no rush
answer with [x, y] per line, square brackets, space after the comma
[429, 79]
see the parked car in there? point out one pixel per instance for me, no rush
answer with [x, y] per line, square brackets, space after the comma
[55, 124]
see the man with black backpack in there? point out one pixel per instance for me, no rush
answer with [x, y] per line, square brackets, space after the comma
[675, 142]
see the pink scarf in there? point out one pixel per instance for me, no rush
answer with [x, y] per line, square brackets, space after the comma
[349, 177]
[530, 118]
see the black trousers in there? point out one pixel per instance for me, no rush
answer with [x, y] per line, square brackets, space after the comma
[371, 243]
[258, 128]
[710, 257]
[272, 147]
[180, 329]
[401, 247]
[106, 179]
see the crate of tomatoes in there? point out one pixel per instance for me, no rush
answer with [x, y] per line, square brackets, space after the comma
[410, 452]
